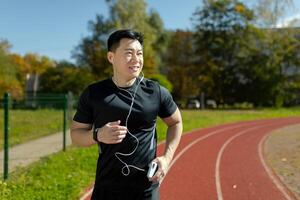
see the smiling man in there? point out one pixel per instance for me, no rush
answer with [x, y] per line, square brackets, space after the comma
[119, 114]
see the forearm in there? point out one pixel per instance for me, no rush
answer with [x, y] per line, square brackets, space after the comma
[173, 138]
[82, 137]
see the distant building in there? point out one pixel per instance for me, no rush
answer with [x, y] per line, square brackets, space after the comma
[31, 88]
[32, 83]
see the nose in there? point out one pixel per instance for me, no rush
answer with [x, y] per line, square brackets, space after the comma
[134, 58]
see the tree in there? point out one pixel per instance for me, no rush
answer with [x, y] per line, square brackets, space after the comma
[180, 66]
[220, 27]
[23, 68]
[8, 72]
[288, 61]
[65, 77]
[124, 14]
[36, 64]
[269, 11]
[91, 52]
[239, 62]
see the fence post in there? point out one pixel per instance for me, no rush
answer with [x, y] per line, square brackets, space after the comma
[65, 105]
[70, 106]
[6, 133]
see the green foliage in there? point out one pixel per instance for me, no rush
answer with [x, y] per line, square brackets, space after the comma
[179, 65]
[162, 80]
[220, 32]
[64, 78]
[124, 14]
[8, 72]
[14, 69]
[239, 62]
[38, 64]
[225, 56]
[91, 52]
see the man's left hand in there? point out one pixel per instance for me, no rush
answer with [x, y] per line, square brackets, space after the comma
[163, 167]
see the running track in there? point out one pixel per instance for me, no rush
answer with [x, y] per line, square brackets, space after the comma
[225, 163]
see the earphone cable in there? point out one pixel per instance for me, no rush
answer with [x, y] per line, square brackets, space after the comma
[126, 167]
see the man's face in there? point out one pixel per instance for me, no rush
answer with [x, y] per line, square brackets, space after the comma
[127, 59]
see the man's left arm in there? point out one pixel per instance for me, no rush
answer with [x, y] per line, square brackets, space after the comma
[174, 131]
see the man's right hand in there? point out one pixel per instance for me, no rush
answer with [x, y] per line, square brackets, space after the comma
[112, 133]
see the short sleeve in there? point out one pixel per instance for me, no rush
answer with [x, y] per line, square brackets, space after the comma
[167, 104]
[84, 112]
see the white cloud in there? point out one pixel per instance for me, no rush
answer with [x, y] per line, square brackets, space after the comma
[292, 21]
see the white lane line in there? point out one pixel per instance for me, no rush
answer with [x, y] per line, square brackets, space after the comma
[208, 135]
[244, 123]
[275, 180]
[219, 157]
[183, 150]
[200, 139]
[218, 162]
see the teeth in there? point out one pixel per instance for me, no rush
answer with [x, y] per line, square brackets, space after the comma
[134, 68]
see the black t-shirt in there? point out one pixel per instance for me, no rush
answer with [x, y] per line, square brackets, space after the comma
[104, 102]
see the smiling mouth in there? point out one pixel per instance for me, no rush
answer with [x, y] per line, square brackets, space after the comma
[134, 68]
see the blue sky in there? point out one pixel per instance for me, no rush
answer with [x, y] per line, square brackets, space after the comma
[54, 27]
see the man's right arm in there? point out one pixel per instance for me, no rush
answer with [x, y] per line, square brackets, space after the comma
[110, 133]
[82, 134]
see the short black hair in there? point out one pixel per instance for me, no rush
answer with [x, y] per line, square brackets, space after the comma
[114, 39]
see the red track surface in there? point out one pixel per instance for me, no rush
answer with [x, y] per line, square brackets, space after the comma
[224, 162]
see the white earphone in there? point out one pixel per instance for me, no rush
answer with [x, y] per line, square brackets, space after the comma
[118, 154]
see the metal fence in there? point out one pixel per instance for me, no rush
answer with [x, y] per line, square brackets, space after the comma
[30, 115]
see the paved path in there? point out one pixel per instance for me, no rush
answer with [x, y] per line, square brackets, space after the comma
[224, 162]
[26, 153]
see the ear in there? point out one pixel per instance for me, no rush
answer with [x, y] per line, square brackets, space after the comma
[110, 57]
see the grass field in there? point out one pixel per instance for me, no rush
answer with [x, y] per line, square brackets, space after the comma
[26, 125]
[64, 175]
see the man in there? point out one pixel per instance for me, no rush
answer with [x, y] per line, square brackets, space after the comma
[119, 114]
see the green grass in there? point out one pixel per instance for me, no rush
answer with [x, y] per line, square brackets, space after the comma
[65, 175]
[60, 176]
[26, 125]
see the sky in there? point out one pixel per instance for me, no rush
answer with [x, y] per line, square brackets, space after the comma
[55, 27]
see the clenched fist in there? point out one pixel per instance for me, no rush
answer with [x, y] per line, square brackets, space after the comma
[112, 133]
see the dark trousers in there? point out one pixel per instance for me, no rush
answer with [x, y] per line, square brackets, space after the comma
[125, 194]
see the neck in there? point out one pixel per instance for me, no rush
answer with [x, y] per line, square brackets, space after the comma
[123, 83]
